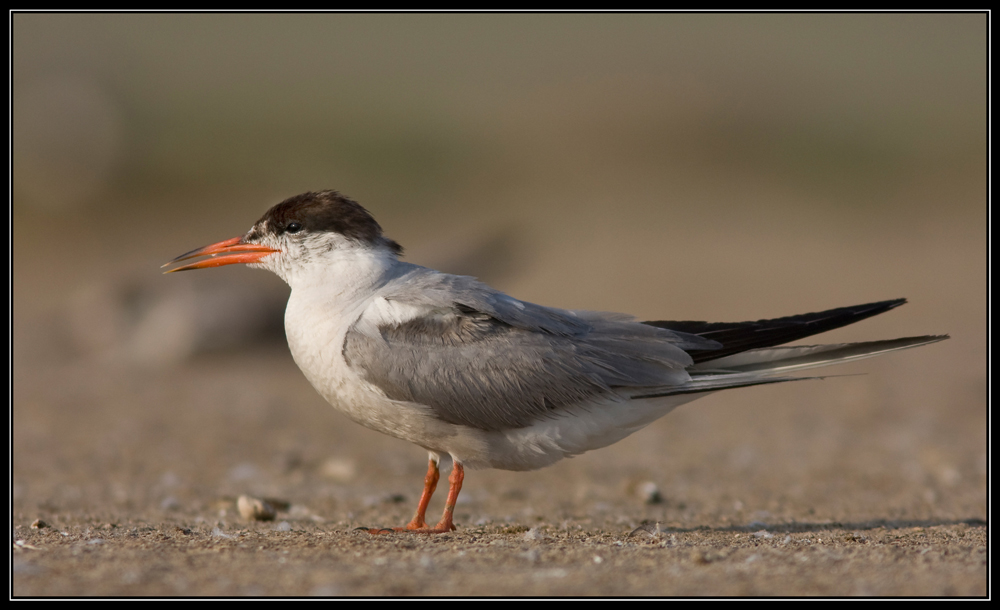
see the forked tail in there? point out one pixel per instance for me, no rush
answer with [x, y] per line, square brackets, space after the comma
[749, 355]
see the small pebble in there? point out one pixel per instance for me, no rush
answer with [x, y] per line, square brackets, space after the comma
[254, 509]
[533, 534]
[646, 530]
[650, 493]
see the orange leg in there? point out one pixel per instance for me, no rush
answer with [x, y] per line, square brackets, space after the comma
[430, 484]
[454, 486]
[417, 525]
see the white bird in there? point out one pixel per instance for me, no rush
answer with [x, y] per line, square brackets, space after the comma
[464, 370]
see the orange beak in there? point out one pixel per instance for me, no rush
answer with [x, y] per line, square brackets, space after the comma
[229, 252]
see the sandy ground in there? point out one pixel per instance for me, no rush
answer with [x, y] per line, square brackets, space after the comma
[126, 470]
[713, 167]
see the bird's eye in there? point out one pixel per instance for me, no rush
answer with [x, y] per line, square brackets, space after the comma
[293, 227]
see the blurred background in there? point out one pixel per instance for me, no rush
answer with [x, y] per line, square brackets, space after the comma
[671, 166]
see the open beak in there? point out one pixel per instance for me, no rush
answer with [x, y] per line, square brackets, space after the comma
[229, 252]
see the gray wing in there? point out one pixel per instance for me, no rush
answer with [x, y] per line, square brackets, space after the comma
[480, 358]
[433, 290]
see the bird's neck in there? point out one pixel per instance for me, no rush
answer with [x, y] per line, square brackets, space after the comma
[326, 300]
[344, 277]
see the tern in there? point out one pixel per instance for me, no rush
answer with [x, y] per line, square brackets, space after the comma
[464, 370]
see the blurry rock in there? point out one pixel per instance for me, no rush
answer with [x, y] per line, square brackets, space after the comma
[646, 530]
[151, 320]
[170, 503]
[650, 493]
[255, 509]
[341, 470]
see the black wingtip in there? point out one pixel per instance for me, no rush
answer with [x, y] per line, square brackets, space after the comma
[737, 337]
[886, 305]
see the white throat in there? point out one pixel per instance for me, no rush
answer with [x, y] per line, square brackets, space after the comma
[331, 288]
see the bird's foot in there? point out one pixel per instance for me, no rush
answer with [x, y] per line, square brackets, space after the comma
[417, 525]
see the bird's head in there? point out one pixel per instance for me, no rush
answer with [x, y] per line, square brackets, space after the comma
[302, 233]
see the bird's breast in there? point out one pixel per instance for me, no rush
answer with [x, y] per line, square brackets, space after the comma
[315, 329]
[316, 338]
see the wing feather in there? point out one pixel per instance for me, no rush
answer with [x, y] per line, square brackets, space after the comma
[480, 358]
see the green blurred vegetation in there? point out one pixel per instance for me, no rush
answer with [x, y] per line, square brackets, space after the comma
[421, 108]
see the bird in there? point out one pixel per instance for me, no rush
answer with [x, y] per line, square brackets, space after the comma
[468, 372]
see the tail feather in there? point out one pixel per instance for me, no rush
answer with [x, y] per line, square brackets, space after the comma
[737, 337]
[780, 360]
[749, 355]
[757, 367]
